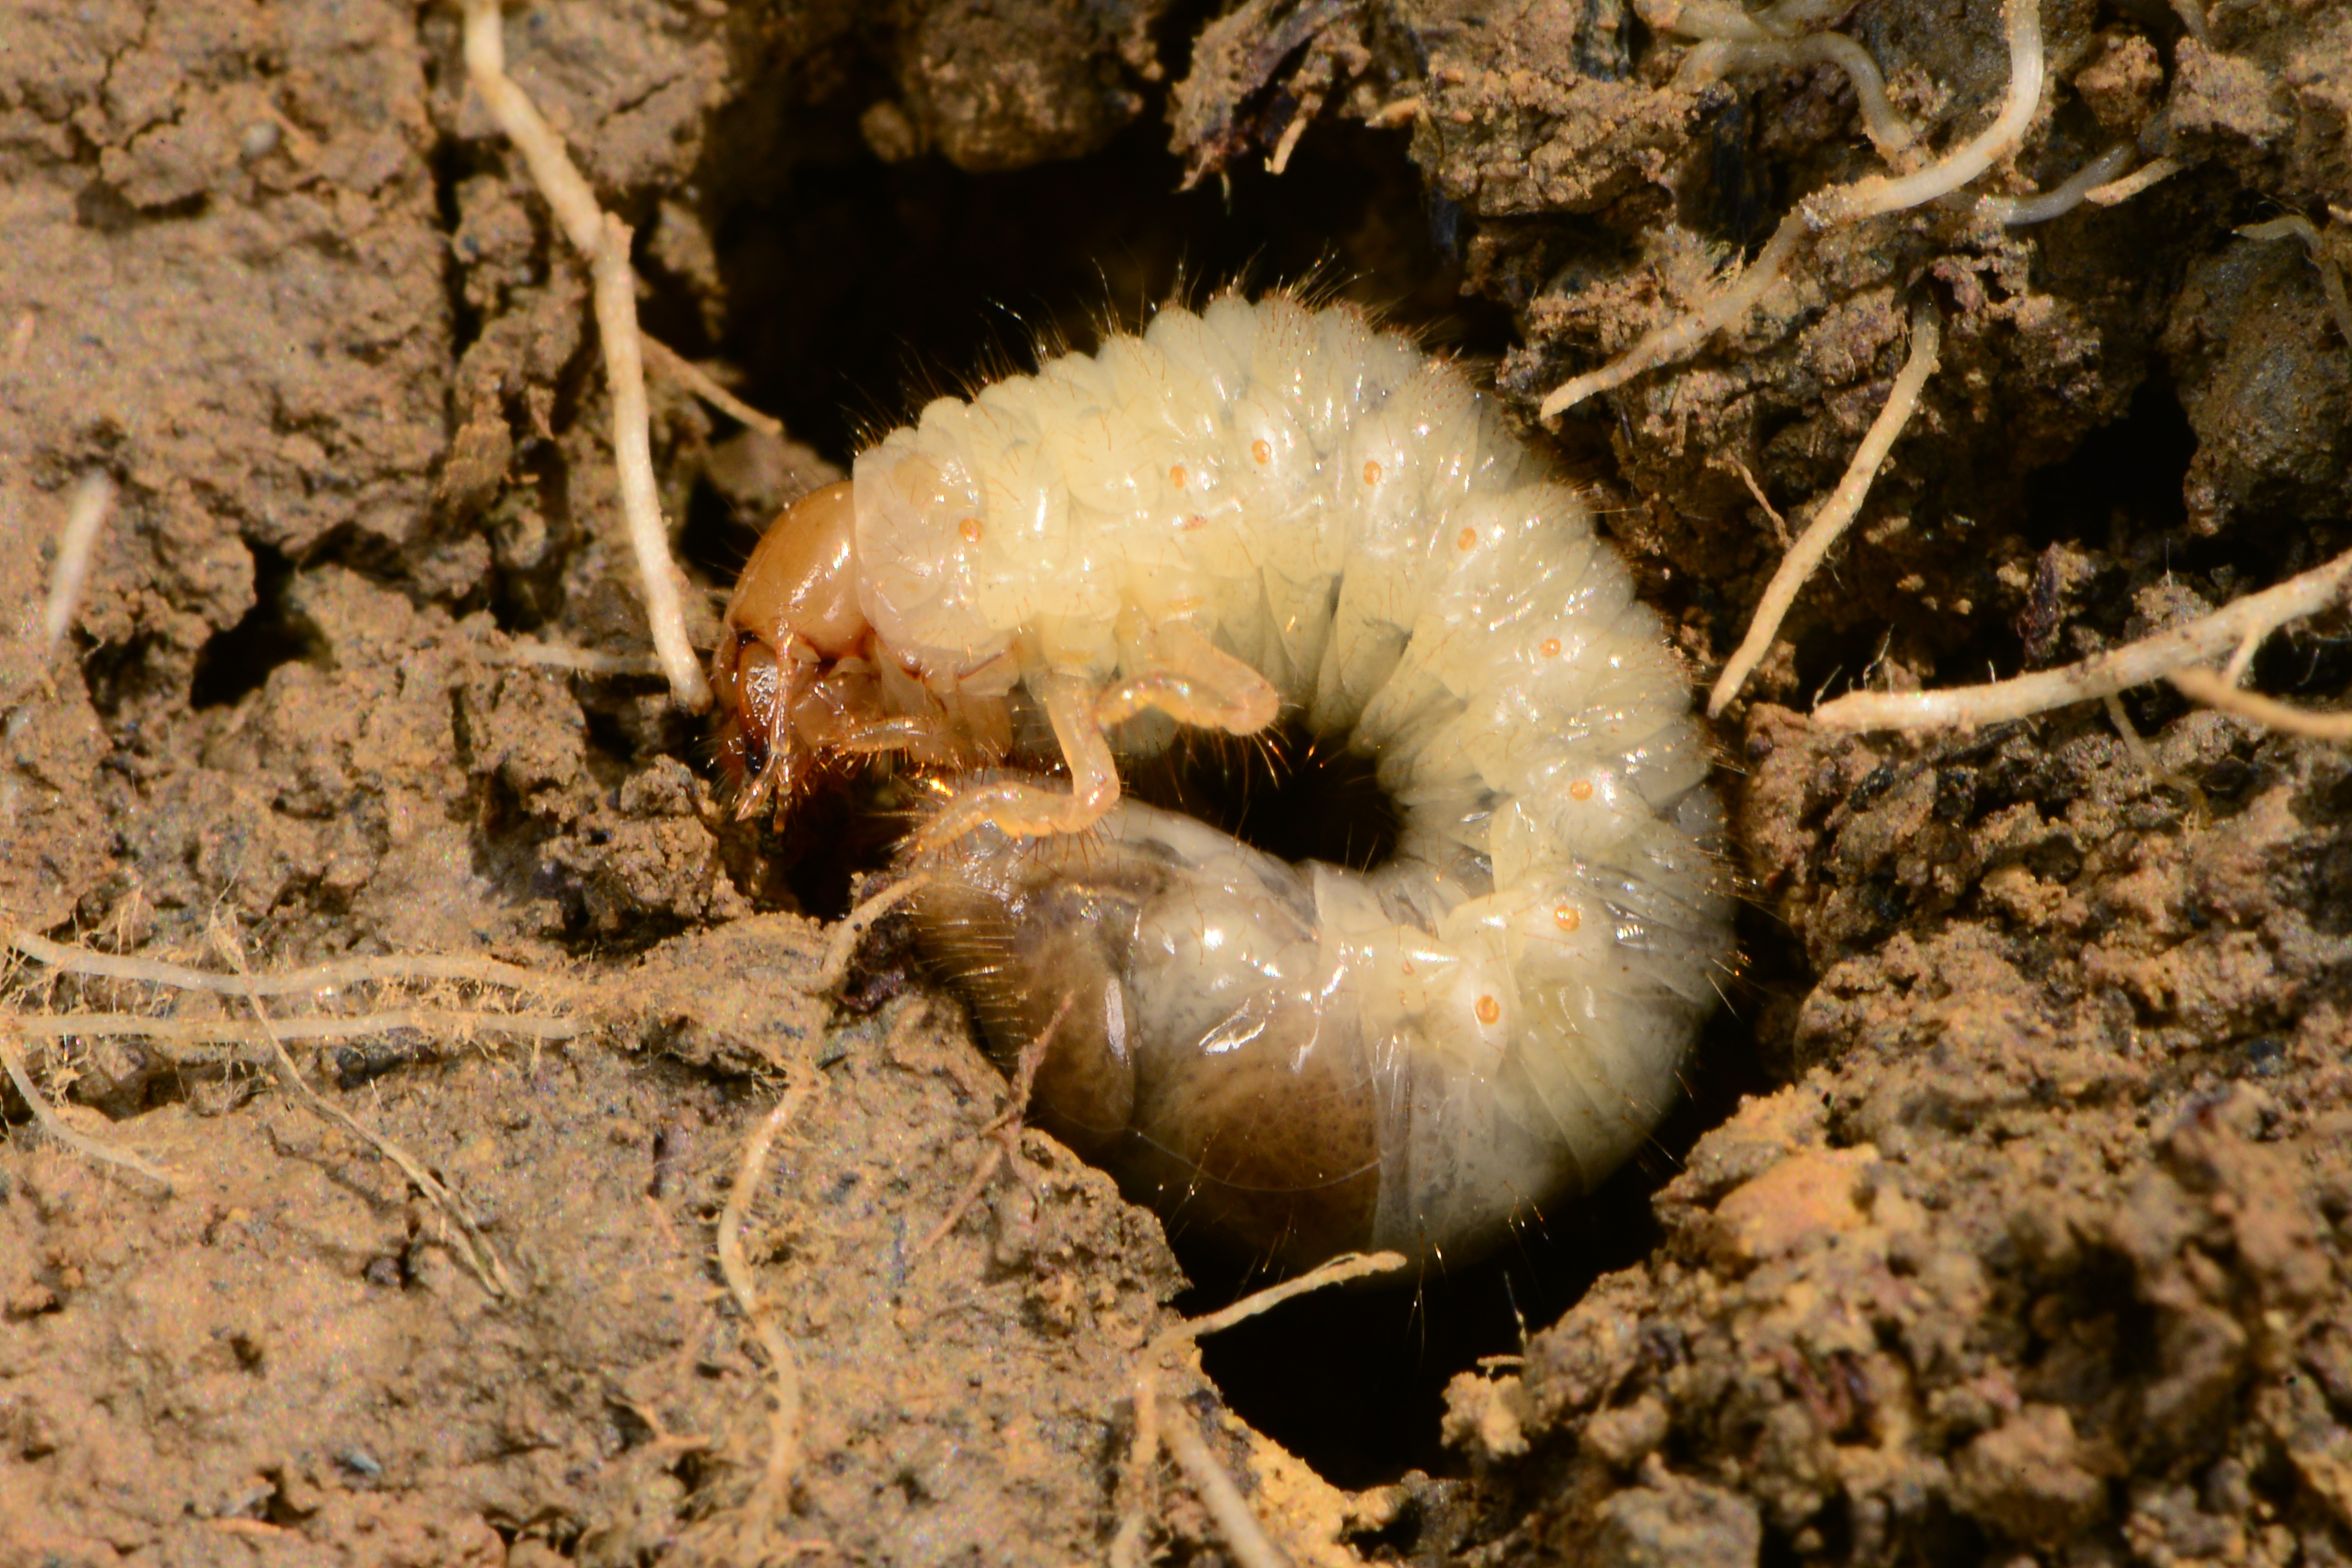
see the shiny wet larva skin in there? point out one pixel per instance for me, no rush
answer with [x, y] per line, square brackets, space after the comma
[1257, 510]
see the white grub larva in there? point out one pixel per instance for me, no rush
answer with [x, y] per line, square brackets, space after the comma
[1265, 508]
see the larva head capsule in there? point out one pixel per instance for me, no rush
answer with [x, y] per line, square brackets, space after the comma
[787, 669]
[805, 680]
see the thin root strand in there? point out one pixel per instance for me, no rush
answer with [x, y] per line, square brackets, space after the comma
[488, 1266]
[1879, 193]
[182, 1039]
[294, 982]
[1227, 1507]
[1240, 1528]
[1874, 196]
[94, 501]
[772, 1495]
[1679, 338]
[1887, 130]
[2153, 172]
[54, 1125]
[533, 654]
[1004, 1130]
[2021, 212]
[1838, 512]
[2219, 692]
[840, 948]
[604, 239]
[667, 360]
[2295, 226]
[2155, 658]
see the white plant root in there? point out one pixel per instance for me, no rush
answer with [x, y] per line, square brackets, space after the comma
[2153, 172]
[2219, 691]
[1244, 1537]
[1154, 1410]
[531, 653]
[1877, 195]
[2099, 174]
[604, 239]
[54, 1125]
[93, 500]
[292, 982]
[1838, 512]
[185, 1040]
[1873, 196]
[2241, 623]
[849, 933]
[182, 1039]
[667, 360]
[86, 515]
[1887, 130]
[1681, 338]
[488, 1268]
[771, 1495]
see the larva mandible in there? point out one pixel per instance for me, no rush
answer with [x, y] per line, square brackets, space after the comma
[1256, 507]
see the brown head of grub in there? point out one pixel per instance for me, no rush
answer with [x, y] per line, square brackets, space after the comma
[804, 682]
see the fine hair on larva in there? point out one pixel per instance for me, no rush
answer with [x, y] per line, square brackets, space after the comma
[1255, 510]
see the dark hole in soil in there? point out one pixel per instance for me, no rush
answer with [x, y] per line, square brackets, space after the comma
[1353, 1381]
[2302, 661]
[2135, 466]
[839, 835]
[236, 661]
[857, 289]
[1288, 792]
[452, 161]
[2123, 482]
[714, 540]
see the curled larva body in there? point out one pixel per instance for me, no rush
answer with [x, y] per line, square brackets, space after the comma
[1302, 1060]
[1255, 508]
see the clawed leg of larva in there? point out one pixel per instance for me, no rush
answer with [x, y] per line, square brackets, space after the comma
[1195, 683]
[1024, 810]
[911, 735]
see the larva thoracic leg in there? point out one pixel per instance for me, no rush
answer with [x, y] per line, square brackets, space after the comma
[1255, 507]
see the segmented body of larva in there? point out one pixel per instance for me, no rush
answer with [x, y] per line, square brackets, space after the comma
[1257, 507]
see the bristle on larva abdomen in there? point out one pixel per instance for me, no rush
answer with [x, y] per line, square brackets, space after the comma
[1255, 508]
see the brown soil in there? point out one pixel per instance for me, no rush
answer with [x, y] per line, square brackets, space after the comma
[2031, 1241]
